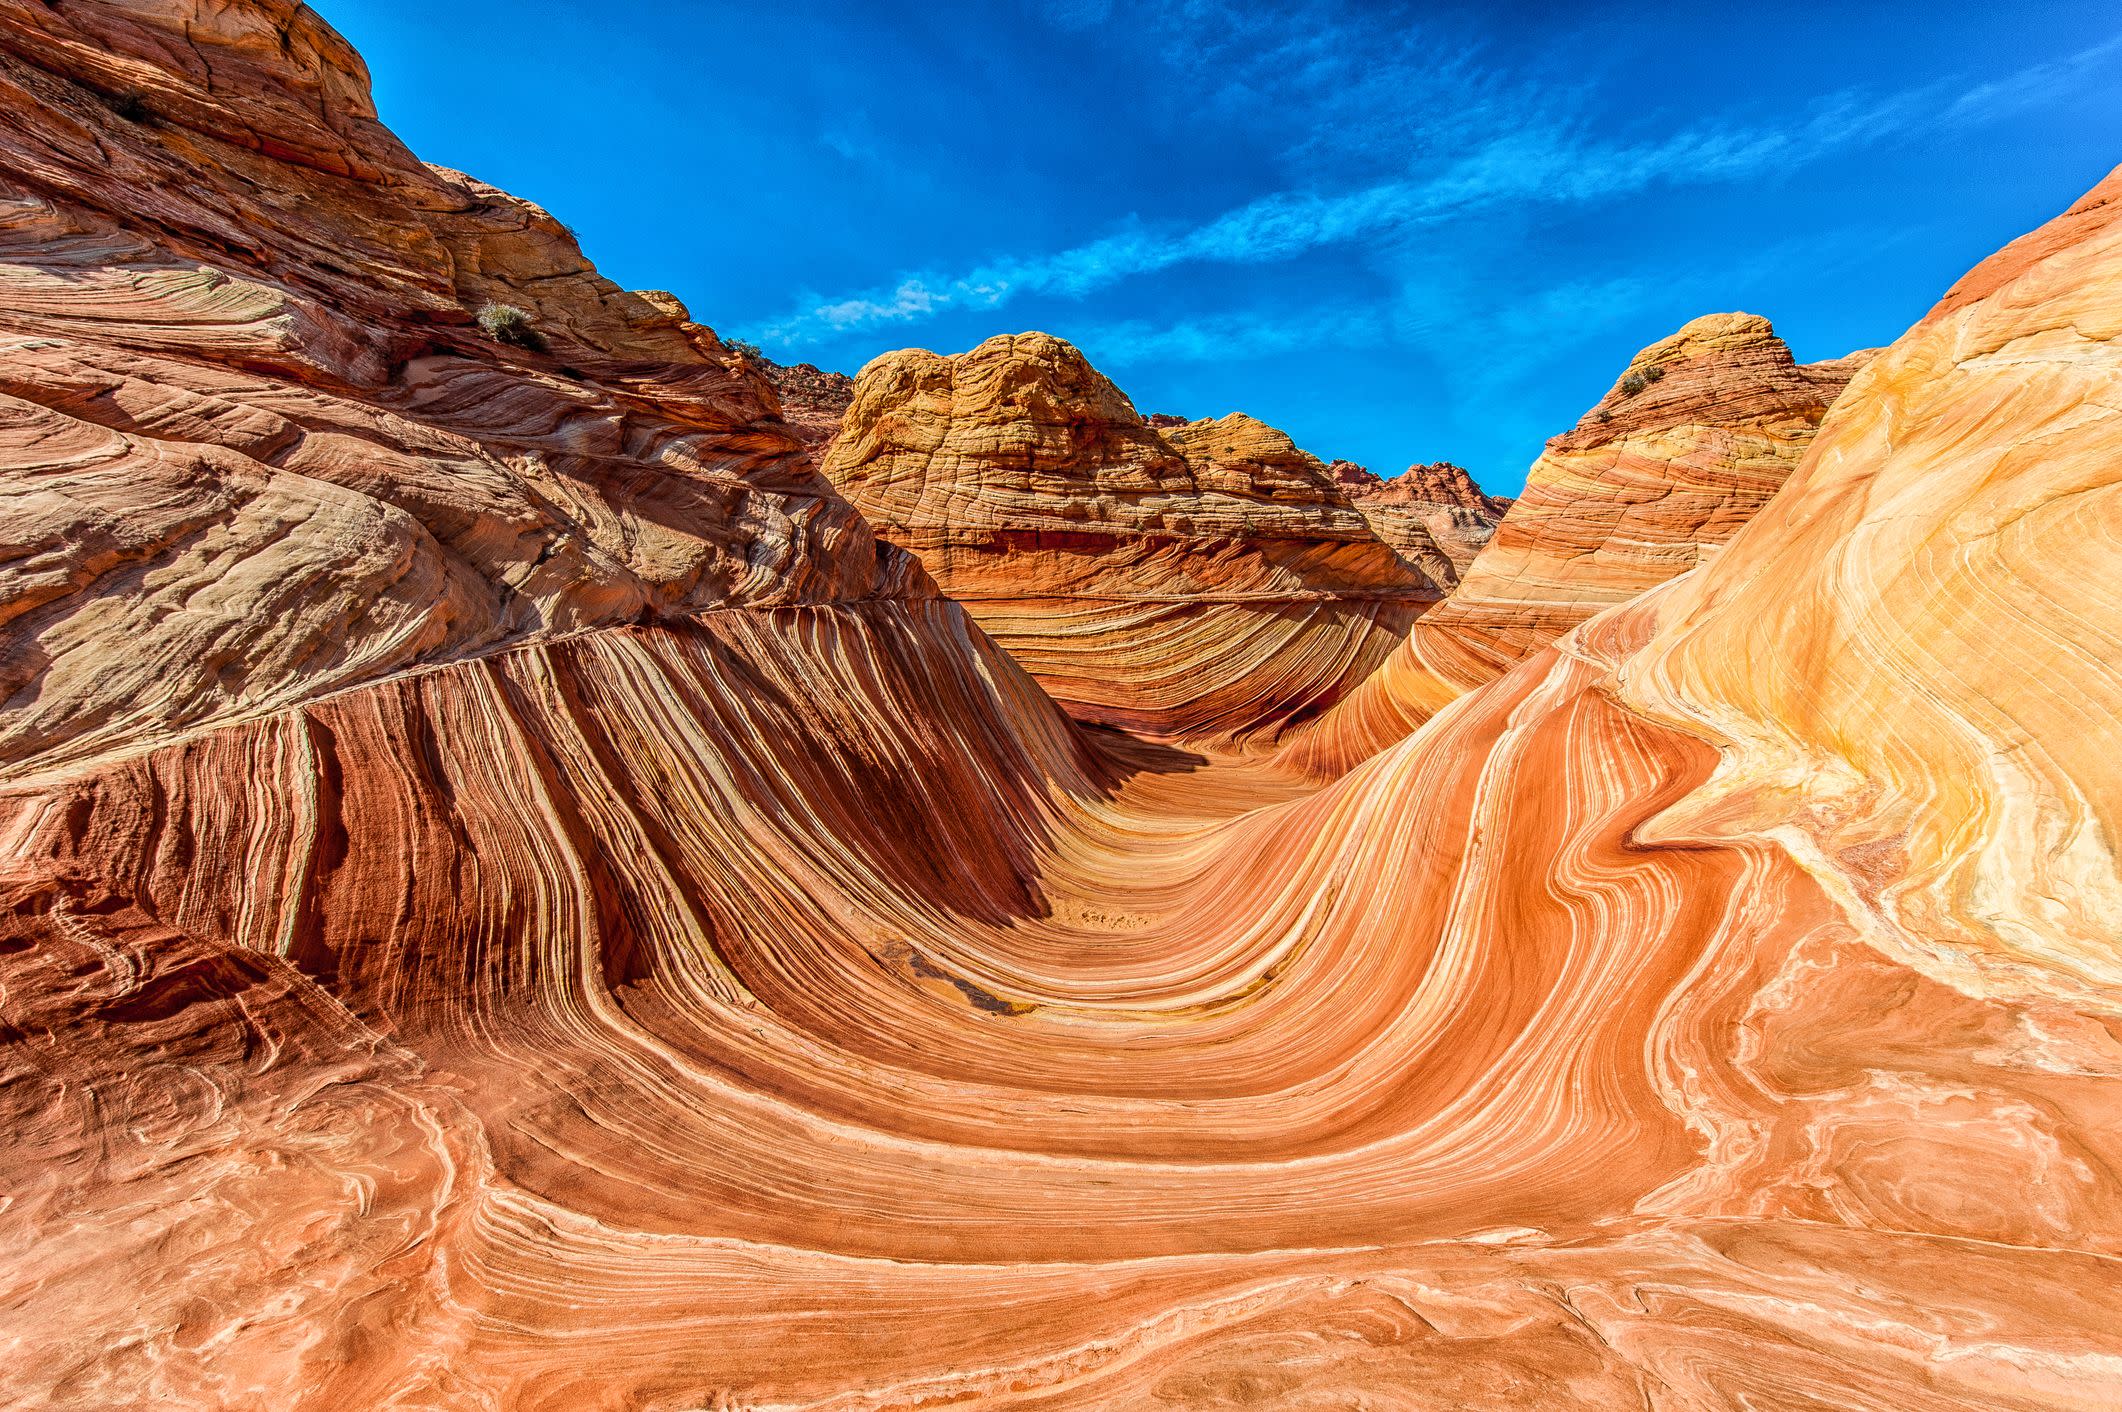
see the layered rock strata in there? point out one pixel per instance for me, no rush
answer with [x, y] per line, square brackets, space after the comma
[783, 1003]
[1690, 442]
[1698, 433]
[1433, 515]
[253, 429]
[1206, 581]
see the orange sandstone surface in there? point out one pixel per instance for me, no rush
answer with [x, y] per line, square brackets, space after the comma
[1693, 439]
[253, 431]
[1205, 581]
[715, 974]
[1434, 515]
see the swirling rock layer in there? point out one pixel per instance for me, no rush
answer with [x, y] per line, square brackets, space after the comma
[1206, 580]
[254, 446]
[1689, 443]
[785, 1004]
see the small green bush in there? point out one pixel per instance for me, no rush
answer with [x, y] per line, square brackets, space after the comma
[505, 323]
[1640, 378]
[746, 350]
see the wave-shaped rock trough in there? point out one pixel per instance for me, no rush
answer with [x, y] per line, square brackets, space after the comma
[758, 992]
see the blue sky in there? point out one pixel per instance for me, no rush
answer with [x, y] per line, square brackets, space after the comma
[1400, 233]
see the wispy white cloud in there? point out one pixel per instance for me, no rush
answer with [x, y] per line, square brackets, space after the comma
[911, 300]
[2038, 84]
[1518, 339]
[1322, 82]
[1076, 14]
[853, 139]
[1223, 338]
[1531, 160]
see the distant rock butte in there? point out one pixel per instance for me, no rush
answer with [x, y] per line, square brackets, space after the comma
[1205, 580]
[1438, 483]
[1434, 514]
[1693, 438]
[813, 402]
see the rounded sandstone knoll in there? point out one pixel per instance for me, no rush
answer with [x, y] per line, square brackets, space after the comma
[1692, 439]
[1207, 581]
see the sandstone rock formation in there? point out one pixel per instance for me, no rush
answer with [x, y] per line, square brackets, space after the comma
[1689, 443]
[777, 1001]
[1437, 483]
[813, 402]
[251, 428]
[1206, 581]
[1434, 515]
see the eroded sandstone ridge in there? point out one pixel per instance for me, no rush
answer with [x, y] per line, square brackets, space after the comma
[771, 999]
[1434, 515]
[1202, 580]
[254, 431]
[1693, 438]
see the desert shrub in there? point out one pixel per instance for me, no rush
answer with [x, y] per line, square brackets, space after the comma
[505, 323]
[1640, 378]
[746, 350]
